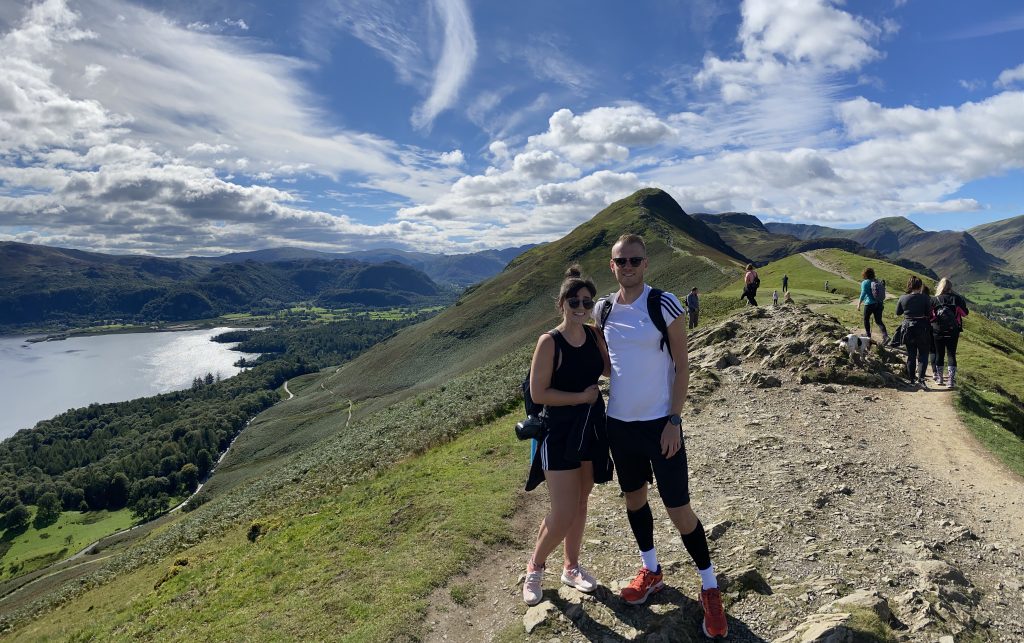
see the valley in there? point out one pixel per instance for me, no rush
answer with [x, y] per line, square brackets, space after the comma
[395, 465]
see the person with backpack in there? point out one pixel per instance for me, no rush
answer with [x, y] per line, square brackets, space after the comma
[948, 311]
[916, 308]
[693, 307]
[751, 282]
[567, 363]
[646, 338]
[872, 296]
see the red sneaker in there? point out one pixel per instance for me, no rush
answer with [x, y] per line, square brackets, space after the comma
[715, 625]
[645, 584]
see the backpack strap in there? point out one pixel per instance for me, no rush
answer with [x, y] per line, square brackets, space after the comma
[557, 336]
[657, 316]
[605, 304]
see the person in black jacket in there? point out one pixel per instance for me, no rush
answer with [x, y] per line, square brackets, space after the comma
[916, 307]
[574, 442]
[948, 311]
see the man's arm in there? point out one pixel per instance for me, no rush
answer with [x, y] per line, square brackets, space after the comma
[672, 435]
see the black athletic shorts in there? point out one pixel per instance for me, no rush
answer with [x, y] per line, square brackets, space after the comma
[636, 451]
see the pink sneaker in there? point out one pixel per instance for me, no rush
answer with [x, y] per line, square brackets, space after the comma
[532, 590]
[580, 579]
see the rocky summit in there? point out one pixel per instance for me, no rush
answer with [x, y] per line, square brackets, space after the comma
[832, 510]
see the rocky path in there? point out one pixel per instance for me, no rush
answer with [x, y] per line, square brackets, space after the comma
[817, 262]
[831, 508]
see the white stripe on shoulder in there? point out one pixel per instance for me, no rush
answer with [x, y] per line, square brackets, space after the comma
[670, 304]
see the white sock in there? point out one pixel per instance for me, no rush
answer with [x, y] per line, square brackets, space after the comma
[650, 560]
[707, 577]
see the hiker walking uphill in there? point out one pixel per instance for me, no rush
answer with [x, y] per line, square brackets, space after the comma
[948, 311]
[872, 296]
[916, 308]
[692, 307]
[649, 377]
[751, 282]
[572, 454]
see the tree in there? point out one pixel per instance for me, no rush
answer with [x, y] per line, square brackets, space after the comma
[17, 518]
[148, 507]
[117, 492]
[188, 477]
[72, 498]
[48, 510]
[204, 461]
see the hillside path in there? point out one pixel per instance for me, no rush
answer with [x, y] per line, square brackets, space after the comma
[817, 262]
[817, 490]
[945, 448]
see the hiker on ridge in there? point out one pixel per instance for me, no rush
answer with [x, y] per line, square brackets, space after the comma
[785, 283]
[573, 453]
[948, 311]
[649, 376]
[872, 295]
[750, 284]
[916, 307]
[693, 307]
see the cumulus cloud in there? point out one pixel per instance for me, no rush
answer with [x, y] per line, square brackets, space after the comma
[601, 135]
[1011, 76]
[455, 157]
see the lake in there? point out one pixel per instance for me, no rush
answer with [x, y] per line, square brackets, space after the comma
[41, 380]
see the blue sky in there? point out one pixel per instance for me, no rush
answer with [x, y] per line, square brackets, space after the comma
[445, 125]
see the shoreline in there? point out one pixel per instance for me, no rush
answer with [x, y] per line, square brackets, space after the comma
[35, 336]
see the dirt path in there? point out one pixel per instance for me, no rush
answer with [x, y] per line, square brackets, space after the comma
[945, 448]
[818, 489]
[817, 262]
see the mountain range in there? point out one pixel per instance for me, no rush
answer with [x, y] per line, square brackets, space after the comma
[956, 254]
[46, 285]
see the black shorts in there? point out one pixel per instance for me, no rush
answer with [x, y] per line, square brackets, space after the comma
[636, 451]
[565, 443]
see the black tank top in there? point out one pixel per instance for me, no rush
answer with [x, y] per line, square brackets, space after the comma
[581, 367]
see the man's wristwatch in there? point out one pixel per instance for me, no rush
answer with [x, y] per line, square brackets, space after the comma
[675, 419]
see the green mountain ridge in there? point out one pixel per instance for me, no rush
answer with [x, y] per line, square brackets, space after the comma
[949, 253]
[48, 286]
[1005, 239]
[517, 305]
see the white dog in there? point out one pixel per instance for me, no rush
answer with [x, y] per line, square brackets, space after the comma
[858, 344]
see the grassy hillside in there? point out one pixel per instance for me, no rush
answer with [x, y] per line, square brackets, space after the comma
[1004, 239]
[511, 309]
[990, 356]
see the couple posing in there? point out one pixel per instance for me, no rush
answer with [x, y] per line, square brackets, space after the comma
[649, 378]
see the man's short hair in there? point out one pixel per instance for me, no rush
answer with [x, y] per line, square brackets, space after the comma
[630, 239]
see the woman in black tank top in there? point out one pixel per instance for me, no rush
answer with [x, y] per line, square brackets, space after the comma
[573, 454]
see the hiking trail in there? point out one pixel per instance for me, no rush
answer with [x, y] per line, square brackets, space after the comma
[812, 486]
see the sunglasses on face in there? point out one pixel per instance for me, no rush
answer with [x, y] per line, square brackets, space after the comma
[574, 302]
[633, 261]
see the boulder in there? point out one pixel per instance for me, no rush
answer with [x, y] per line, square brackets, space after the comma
[863, 598]
[821, 628]
[537, 615]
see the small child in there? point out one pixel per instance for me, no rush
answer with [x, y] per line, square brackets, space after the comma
[775, 298]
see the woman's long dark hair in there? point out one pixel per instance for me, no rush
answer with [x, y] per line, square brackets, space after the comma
[914, 283]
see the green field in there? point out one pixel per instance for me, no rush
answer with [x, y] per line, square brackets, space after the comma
[316, 314]
[35, 548]
[322, 562]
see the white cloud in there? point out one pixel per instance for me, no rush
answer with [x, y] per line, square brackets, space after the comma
[455, 157]
[1009, 77]
[545, 57]
[972, 85]
[602, 135]
[457, 56]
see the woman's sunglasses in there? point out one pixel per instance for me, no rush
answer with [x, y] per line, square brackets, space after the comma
[633, 261]
[574, 302]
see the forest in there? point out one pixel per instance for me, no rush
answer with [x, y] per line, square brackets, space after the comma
[143, 452]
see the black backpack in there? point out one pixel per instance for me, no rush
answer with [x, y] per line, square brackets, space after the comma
[945, 317]
[653, 310]
[756, 283]
[532, 408]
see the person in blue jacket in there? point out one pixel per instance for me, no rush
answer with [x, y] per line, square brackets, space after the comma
[871, 293]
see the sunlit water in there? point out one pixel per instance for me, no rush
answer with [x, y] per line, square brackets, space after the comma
[38, 381]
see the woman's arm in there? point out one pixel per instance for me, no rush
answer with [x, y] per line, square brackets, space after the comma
[899, 306]
[603, 347]
[541, 370]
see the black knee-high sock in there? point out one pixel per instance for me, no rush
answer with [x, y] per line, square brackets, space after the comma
[642, 523]
[696, 544]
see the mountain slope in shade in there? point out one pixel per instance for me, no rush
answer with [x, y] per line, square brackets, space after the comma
[47, 286]
[511, 309]
[457, 269]
[807, 231]
[1005, 239]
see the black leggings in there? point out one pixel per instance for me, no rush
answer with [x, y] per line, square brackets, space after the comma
[919, 344]
[876, 310]
[945, 346]
[749, 296]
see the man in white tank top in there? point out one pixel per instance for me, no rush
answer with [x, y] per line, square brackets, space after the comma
[648, 390]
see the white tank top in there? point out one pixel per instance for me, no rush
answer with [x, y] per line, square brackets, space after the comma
[642, 373]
